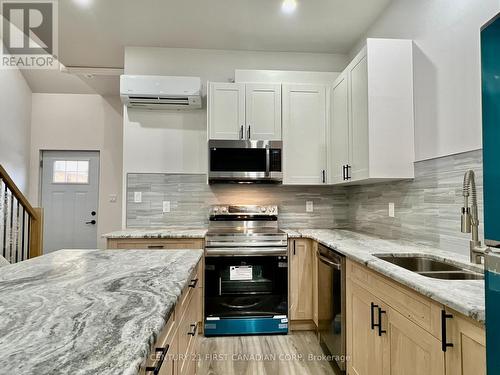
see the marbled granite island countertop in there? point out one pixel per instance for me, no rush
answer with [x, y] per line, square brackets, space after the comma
[167, 232]
[88, 311]
[464, 296]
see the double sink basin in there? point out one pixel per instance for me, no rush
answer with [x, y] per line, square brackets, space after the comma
[428, 266]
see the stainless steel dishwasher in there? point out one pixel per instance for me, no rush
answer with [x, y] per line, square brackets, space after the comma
[331, 305]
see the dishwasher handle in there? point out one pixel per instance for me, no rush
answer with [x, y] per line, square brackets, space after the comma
[328, 261]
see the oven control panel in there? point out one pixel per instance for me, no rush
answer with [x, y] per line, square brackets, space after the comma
[271, 210]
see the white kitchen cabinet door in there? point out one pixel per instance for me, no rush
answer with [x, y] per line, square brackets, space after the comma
[304, 134]
[263, 111]
[226, 113]
[358, 82]
[338, 154]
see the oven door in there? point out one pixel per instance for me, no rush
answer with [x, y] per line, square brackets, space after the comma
[246, 294]
[240, 161]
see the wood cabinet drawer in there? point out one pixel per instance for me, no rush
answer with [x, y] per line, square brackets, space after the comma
[155, 243]
[167, 341]
[419, 309]
[188, 333]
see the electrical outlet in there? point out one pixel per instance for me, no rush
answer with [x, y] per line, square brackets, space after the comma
[309, 206]
[391, 209]
[137, 197]
[166, 206]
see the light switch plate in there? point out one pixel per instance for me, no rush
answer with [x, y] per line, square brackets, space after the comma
[309, 206]
[166, 206]
[391, 209]
[137, 197]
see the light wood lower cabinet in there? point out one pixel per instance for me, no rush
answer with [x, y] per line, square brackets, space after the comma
[364, 347]
[301, 283]
[394, 330]
[179, 339]
[468, 353]
[155, 243]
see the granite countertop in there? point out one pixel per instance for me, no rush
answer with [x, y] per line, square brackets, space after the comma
[88, 311]
[167, 232]
[464, 296]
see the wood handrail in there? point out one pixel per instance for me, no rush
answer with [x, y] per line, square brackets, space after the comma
[17, 193]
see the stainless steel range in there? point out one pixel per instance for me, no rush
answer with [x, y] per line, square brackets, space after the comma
[246, 272]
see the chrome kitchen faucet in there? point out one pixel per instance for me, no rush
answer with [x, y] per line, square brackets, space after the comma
[470, 217]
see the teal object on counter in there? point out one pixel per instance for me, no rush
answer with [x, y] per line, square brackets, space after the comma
[490, 60]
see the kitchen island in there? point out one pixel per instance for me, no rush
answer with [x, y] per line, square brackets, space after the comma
[89, 311]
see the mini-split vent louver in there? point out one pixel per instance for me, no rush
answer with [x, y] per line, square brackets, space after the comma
[160, 92]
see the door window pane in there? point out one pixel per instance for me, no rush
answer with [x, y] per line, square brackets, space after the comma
[71, 172]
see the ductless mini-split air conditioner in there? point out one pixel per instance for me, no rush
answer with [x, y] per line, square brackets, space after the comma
[160, 92]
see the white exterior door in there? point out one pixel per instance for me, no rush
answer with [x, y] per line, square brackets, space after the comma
[263, 111]
[70, 185]
[304, 134]
[358, 80]
[339, 132]
[226, 113]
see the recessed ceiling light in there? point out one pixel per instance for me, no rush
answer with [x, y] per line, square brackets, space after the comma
[289, 6]
[83, 3]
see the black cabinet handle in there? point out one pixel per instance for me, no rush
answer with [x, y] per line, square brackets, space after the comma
[444, 344]
[380, 330]
[347, 169]
[293, 247]
[156, 369]
[193, 283]
[194, 327]
[156, 246]
[93, 222]
[372, 316]
[323, 173]
[343, 173]
[249, 132]
[241, 132]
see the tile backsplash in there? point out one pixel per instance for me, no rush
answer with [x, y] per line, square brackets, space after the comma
[190, 197]
[427, 209]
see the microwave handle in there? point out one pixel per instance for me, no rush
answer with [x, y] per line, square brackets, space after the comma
[268, 161]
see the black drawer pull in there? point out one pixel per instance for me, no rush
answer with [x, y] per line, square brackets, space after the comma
[156, 247]
[380, 330]
[156, 369]
[194, 326]
[193, 283]
[372, 316]
[444, 344]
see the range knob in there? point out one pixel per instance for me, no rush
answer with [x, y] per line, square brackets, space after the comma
[216, 209]
[224, 210]
[263, 209]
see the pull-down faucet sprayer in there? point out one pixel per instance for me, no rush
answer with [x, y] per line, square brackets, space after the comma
[470, 217]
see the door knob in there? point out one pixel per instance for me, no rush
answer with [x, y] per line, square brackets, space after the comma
[93, 222]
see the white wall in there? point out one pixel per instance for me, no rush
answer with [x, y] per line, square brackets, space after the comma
[82, 122]
[447, 68]
[15, 118]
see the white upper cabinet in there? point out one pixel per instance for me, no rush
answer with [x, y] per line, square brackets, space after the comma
[263, 111]
[377, 90]
[304, 134]
[338, 152]
[244, 111]
[226, 110]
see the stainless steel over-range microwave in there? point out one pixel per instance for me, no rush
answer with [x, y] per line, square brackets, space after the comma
[245, 161]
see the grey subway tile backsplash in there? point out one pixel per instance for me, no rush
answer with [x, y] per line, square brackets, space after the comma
[427, 208]
[190, 198]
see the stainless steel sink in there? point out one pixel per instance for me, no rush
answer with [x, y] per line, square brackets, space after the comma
[430, 267]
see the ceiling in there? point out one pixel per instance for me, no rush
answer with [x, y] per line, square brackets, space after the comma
[95, 32]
